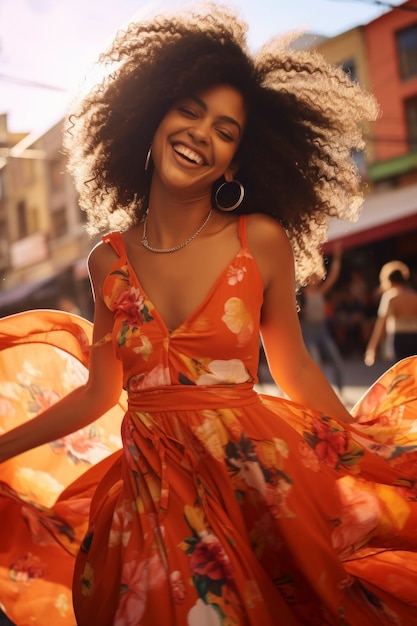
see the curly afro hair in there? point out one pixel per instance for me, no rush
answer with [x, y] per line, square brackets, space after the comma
[295, 157]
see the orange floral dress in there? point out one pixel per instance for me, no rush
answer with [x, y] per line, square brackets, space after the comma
[222, 507]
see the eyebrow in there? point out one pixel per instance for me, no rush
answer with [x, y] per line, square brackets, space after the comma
[223, 118]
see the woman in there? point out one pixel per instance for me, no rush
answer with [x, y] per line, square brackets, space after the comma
[314, 320]
[396, 315]
[223, 507]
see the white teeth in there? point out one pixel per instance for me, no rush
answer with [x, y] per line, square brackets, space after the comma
[188, 154]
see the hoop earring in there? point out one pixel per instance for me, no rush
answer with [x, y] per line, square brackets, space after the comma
[239, 200]
[148, 158]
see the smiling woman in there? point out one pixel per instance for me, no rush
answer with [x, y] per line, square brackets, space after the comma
[224, 507]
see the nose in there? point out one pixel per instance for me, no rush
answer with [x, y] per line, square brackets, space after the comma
[199, 131]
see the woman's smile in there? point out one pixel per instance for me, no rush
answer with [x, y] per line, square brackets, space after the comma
[188, 154]
[199, 136]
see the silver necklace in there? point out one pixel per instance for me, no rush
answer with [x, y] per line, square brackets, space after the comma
[145, 243]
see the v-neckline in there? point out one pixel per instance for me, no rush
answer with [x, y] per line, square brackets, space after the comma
[208, 296]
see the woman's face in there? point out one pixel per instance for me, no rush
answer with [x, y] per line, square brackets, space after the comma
[197, 139]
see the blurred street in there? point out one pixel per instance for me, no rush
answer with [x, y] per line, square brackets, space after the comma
[358, 378]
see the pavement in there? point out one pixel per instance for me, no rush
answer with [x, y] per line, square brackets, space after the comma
[357, 379]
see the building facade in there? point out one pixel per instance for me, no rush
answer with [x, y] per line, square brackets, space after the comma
[45, 243]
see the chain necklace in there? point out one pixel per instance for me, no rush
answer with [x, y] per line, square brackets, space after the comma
[145, 243]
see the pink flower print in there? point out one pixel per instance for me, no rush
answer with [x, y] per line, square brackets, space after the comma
[80, 446]
[131, 302]
[157, 377]
[137, 578]
[276, 499]
[251, 473]
[202, 613]
[177, 587]
[26, 568]
[209, 559]
[45, 398]
[235, 275]
[308, 457]
[130, 449]
[121, 525]
[387, 417]
[360, 515]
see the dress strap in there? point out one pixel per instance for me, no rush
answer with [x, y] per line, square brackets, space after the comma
[242, 234]
[115, 240]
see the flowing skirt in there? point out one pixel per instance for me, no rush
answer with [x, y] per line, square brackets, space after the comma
[222, 508]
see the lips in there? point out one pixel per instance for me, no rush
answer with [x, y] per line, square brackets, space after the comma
[188, 154]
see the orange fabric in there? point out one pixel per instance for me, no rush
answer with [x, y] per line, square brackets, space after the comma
[224, 507]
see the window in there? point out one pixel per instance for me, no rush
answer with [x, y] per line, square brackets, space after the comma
[407, 51]
[59, 222]
[22, 226]
[33, 225]
[349, 67]
[411, 119]
[4, 245]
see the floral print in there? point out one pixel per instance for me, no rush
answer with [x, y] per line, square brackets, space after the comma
[41, 530]
[223, 507]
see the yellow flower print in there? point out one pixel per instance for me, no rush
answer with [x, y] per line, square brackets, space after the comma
[195, 519]
[145, 349]
[282, 447]
[39, 486]
[213, 435]
[87, 580]
[238, 320]
[396, 511]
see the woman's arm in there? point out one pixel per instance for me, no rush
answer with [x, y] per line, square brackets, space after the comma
[378, 333]
[86, 403]
[290, 363]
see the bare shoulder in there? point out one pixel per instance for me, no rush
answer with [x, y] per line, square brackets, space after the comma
[100, 260]
[269, 245]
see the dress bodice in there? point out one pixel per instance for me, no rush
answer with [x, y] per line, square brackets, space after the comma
[217, 344]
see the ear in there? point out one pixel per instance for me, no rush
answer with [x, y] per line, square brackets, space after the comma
[231, 171]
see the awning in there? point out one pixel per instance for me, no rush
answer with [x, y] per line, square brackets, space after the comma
[384, 214]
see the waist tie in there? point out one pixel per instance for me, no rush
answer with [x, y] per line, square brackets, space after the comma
[191, 397]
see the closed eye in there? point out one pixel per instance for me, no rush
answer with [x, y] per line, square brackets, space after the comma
[187, 112]
[225, 135]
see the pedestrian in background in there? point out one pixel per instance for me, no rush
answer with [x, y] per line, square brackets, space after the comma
[315, 320]
[397, 314]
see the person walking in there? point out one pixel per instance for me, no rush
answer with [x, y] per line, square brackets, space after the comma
[397, 314]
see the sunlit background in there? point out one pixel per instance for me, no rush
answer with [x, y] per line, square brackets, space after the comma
[47, 45]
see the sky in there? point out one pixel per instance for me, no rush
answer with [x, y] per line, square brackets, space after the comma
[47, 46]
